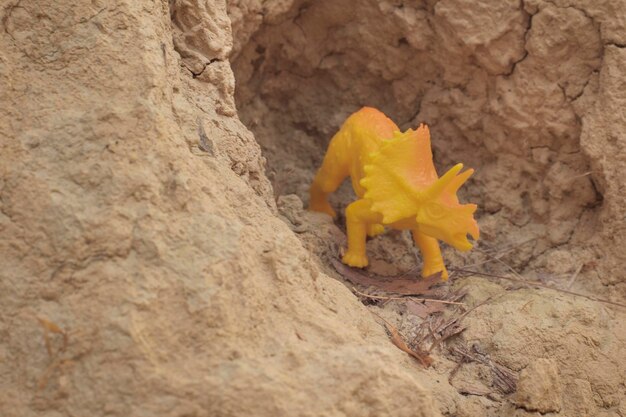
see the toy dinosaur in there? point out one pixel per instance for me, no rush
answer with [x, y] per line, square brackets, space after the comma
[397, 185]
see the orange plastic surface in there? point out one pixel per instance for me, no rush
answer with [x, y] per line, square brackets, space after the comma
[397, 186]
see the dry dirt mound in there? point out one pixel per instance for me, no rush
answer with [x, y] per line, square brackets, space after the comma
[147, 266]
[528, 93]
[143, 270]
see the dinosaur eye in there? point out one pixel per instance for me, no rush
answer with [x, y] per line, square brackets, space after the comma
[434, 211]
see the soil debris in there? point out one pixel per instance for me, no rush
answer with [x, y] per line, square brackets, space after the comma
[521, 280]
[398, 340]
[404, 284]
[425, 309]
[504, 380]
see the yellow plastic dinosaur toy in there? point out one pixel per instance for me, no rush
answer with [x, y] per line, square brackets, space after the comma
[397, 185]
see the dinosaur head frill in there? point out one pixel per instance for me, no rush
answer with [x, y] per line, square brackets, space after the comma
[401, 182]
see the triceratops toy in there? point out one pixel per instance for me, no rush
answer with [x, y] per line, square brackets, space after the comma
[396, 183]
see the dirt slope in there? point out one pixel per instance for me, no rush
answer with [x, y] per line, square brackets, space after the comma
[148, 266]
[136, 219]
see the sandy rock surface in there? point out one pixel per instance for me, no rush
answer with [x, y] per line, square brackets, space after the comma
[539, 387]
[156, 257]
[529, 93]
[139, 235]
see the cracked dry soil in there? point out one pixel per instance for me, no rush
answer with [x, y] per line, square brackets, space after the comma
[156, 257]
[509, 88]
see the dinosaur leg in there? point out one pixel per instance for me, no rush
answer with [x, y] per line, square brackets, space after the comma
[375, 230]
[431, 254]
[359, 218]
[318, 200]
[329, 177]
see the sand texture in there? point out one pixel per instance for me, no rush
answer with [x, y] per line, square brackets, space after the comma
[157, 257]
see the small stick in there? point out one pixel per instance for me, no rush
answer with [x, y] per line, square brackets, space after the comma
[409, 272]
[456, 369]
[500, 254]
[509, 267]
[397, 340]
[574, 275]
[580, 175]
[412, 270]
[482, 303]
[444, 326]
[503, 377]
[537, 284]
[430, 300]
[205, 143]
[526, 305]
[432, 334]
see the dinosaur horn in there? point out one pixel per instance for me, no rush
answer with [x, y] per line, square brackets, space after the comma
[458, 181]
[441, 184]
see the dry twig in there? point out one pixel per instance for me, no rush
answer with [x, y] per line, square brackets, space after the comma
[504, 379]
[405, 297]
[50, 327]
[574, 275]
[402, 286]
[423, 310]
[444, 330]
[537, 284]
[398, 340]
[56, 361]
[500, 254]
